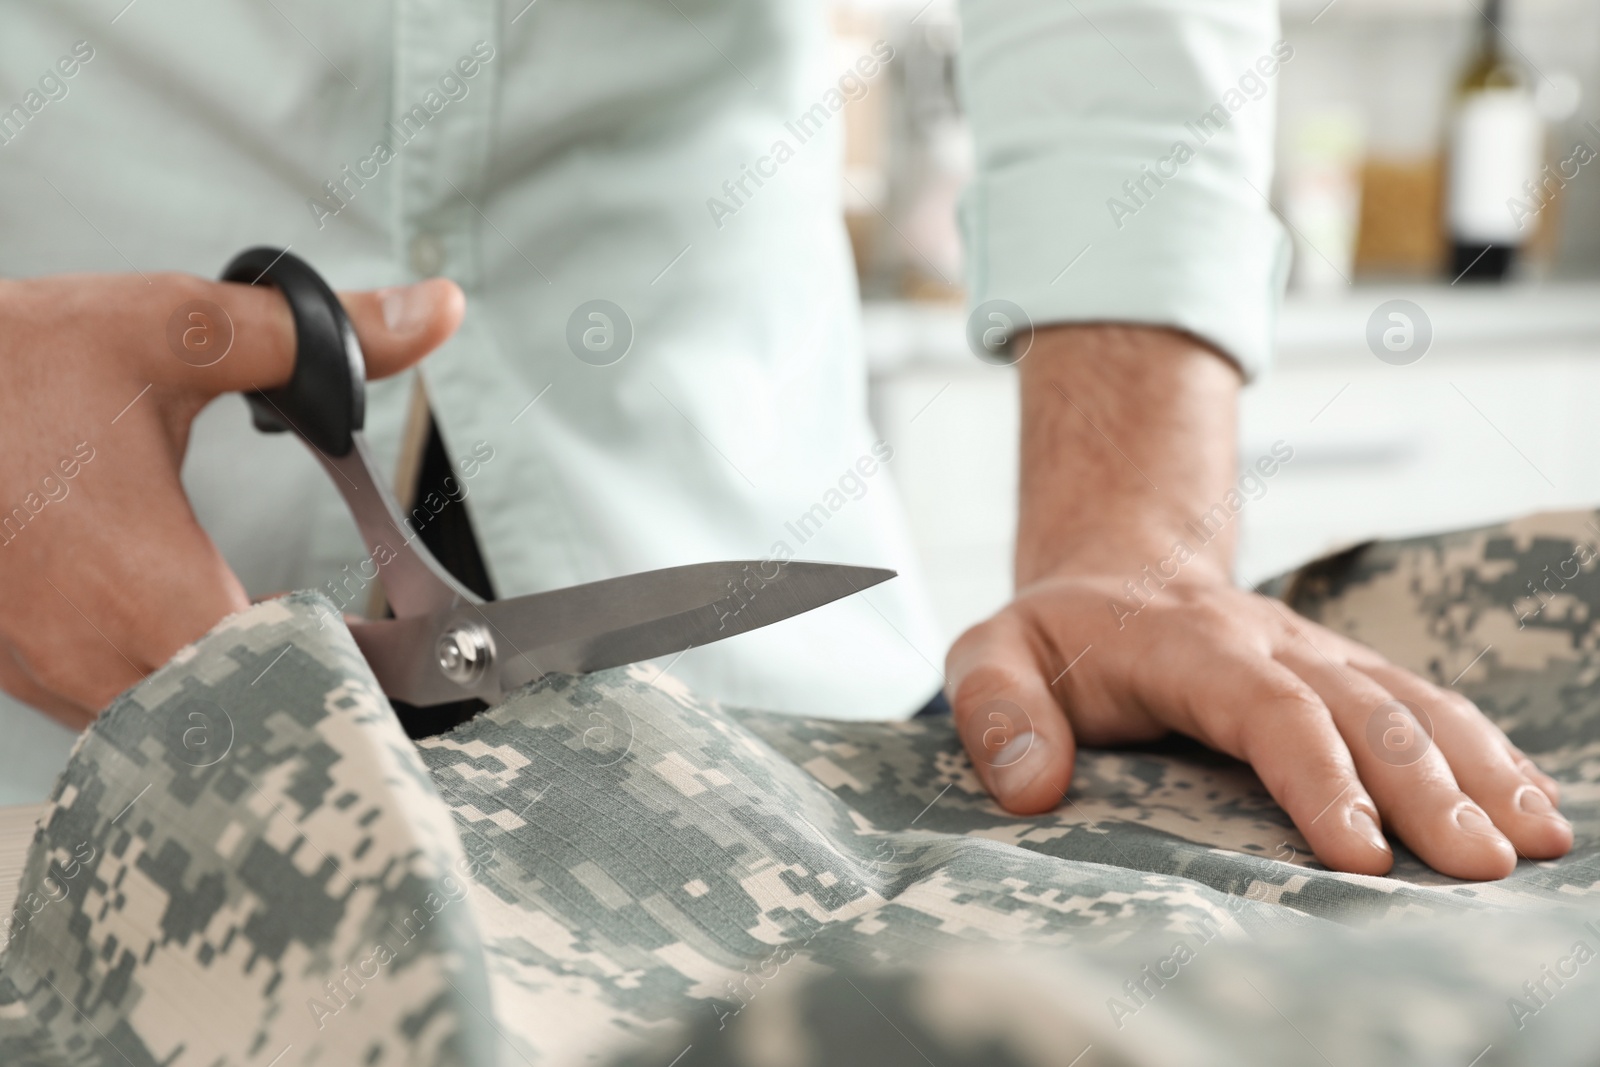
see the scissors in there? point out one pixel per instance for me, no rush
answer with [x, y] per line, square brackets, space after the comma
[445, 643]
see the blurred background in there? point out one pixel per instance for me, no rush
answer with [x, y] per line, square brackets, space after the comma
[1405, 130]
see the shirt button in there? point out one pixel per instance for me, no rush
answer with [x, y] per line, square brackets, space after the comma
[427, 255]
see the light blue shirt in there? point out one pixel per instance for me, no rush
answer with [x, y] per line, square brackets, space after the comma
[679, 160]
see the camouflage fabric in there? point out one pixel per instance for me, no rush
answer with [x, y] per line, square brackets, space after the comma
[244, 860]
[607, 869]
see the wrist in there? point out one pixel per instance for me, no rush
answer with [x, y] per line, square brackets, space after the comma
[1192, 555]
[1128, 457]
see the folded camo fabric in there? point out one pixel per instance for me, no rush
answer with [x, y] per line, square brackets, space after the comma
[247, 862]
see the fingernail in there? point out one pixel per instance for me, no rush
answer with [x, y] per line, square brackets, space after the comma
[1362, 822]
[406, 308]
[1472, 819]
[1015, 766]
[1531, 799]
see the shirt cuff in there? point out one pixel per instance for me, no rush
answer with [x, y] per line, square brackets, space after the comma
[1124, 157]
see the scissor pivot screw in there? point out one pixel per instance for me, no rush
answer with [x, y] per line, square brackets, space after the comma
[465, 653]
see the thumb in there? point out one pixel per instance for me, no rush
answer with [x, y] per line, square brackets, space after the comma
[252, 329]
[400, 325]
[1008, 719]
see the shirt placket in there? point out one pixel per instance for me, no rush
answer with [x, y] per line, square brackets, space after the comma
[442, 155]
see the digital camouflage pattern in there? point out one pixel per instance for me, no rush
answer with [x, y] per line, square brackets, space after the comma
[243, 860]
[635, 876]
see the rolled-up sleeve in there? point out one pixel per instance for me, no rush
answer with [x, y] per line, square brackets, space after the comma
[1123, 161]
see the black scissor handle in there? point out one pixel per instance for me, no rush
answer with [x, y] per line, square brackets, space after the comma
[325, 399]
[325, 403]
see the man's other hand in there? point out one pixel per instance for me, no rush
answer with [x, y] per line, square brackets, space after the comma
[1128, 440]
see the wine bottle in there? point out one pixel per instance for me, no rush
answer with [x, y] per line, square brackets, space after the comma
[1496, 143]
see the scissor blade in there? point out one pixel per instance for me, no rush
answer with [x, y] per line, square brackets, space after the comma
[605, 624]
[642, 616]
